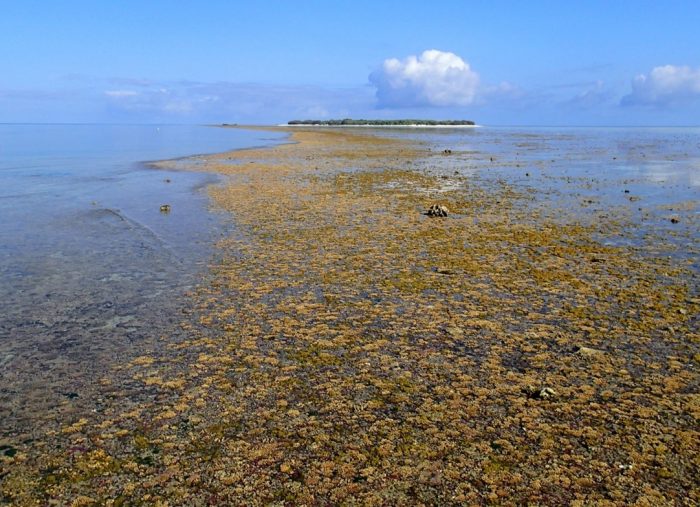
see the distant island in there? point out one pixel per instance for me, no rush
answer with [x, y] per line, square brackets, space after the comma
[383, 123]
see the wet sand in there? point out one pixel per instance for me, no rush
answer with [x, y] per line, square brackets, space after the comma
[349, 349]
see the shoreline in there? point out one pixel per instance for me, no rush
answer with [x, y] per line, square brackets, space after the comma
[347, 347]
[385, 126]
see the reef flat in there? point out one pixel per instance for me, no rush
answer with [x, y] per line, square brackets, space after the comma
[347, 349]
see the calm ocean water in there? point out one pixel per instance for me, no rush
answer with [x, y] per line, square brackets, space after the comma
[661, 162]
[55, 180]
[646, 177]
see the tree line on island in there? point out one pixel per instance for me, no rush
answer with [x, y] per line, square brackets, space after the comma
[373, 123]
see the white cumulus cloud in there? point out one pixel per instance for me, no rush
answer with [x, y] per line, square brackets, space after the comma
[434, 78]
[667, 84]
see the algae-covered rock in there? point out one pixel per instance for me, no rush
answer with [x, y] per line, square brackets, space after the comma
[437, 210]
[539, 393]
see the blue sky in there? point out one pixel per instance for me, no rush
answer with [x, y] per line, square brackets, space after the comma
[497, 62]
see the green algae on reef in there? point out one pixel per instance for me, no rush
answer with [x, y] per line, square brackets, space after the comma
[348, 349]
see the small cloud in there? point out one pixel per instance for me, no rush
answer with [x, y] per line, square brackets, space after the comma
[665, 85]
[120, 94]
[179, 107]
[501, 91]
[596, 95]
[434, 78]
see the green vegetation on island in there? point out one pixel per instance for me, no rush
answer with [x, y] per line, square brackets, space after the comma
[381, 123]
